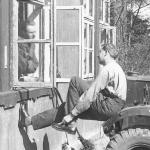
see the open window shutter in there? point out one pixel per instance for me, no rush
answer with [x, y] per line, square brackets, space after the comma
[68, 44]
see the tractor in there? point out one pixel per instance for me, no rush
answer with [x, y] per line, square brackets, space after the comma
[130, 128]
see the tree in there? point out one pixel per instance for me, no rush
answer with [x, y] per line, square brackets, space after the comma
[132, 35]
[138, 31]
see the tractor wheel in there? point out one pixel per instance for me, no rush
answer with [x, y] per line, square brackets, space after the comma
[131, 139]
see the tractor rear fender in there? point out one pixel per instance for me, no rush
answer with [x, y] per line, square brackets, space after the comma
[129, 117]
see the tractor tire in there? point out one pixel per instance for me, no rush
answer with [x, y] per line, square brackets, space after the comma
[131, 139]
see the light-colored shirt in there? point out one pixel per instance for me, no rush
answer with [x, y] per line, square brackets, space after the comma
[113, 79]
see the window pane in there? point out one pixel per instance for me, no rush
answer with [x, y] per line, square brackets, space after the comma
[107, 11]
[85, 62]
[91, 36]
[29, 26]
[34, 55]
[107, 36]
[67, 61]
[103, 36]
[111, 36]
[68, 23]
[85, 35]
[33, 62]
[22, 9]
[85, 7]
[101, 10]
[91, 7]
[90, 62]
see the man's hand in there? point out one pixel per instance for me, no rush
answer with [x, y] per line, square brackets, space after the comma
[67, 119]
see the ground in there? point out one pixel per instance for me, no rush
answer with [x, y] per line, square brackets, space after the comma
[99, 141]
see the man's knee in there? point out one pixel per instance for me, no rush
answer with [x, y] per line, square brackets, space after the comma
[74, 80]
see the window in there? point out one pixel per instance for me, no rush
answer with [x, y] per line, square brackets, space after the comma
[85, 35]
[111, 36]
[91, 49]
[90, 36]
[85, 49]
[107, 12]
[101, 10]
[85, 6]
[108, 34]
[103, 36]
[68, 43]
[88, 6]
[33, 44]
[88, 44]
[88, 52]
[39, 2]
[91, 8]
[104, 11]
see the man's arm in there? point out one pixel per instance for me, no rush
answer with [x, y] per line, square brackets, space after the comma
[90, 95]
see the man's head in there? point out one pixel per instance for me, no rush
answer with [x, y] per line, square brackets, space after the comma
[107, 51]
[30, 29]
[27, 29]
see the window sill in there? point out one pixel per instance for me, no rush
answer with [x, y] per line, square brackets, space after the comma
[35, 2]
[9, 99]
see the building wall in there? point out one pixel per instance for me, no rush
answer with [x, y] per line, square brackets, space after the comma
[15, 138]
[4, 45]
[12, 137]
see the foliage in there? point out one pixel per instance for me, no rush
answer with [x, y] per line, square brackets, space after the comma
[137, 57]
[139, 29]
[133, 38]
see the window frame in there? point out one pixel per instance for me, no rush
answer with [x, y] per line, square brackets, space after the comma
[107, 11]
[79, 43]
[86, 12]
[102, 19]
[102, 10]
[88, 49]
[89, 20]
[14, 82]
[108, 28]
[37, 2]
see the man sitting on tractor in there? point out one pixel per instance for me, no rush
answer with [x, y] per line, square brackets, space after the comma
[105, 97]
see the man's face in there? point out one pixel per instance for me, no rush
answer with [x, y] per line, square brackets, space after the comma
[31, 35]
[30, 30]
[101, 56]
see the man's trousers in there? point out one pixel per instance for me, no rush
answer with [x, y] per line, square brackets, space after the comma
[100, 109]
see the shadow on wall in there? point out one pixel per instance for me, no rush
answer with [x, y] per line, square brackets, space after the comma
[28, 145]
[46, 143]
